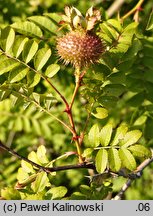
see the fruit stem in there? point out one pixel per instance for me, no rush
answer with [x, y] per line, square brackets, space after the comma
[78, 79]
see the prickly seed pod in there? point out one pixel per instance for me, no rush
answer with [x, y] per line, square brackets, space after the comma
[81, 46]
[79, 49]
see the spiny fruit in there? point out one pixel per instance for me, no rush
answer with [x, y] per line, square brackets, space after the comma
[81, 46]
[79, 49]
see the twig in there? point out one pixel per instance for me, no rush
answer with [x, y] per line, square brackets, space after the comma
[138, 5]
[137, 173]
[114, 7]
[47, 169]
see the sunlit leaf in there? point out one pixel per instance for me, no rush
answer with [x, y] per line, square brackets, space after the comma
[44, 23]
[93, 136]
[41, 154]
[18, 73]
[114, 159]
[101, 113]
[33, 79]
[7, 65]
[41, 58]
[119, 135]
[140, 151]
[19, 45]
[101, 160]
[105, 134]
[52, 70]
[131, 137]
[127, 159]
[7, 38]
[57, 192]
[27, 28]
[30, 49]
[27, 167]
[41, 182]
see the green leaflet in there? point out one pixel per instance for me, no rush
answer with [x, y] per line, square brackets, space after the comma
[115, 24]
[33, 79]
[101, 113]
[7, 38]
[33, 157]
[140, 151]
[119, 135]
[101, 160]
[105, 134]
[27, 167]
[27, 28]
[44, 23]
[7, 65]
[23, 176]
[114, 159]
[30, 49]
[19, 45]
[130, 138]
[36, 126]
[52, 70]
[93, 136]
[41, 58]
[41, 182]
[41, 154]
[18, 73]
[57, 192]
[127, 159]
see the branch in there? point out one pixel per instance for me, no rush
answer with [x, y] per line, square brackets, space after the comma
[47, 169]
[136, 174]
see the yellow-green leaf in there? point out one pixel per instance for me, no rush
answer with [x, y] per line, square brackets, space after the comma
[19, 45]
[93, 136]
[119, 135]
[41, 182]
[131, 137]
[7, 38]
[114, 159]
[101, 113]
[105, 134]
[27, 28]
[140, 151]
[41, 154]
[18, 73]
[41, 58]
[127, 159]
[30, 49]
[101, 160]
[52, 70]
[7, 65]
[57, 192]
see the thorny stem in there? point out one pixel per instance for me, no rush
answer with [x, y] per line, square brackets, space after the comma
[78, 79]
[138, 5]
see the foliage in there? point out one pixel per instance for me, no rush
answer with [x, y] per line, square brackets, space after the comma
[110, 125]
